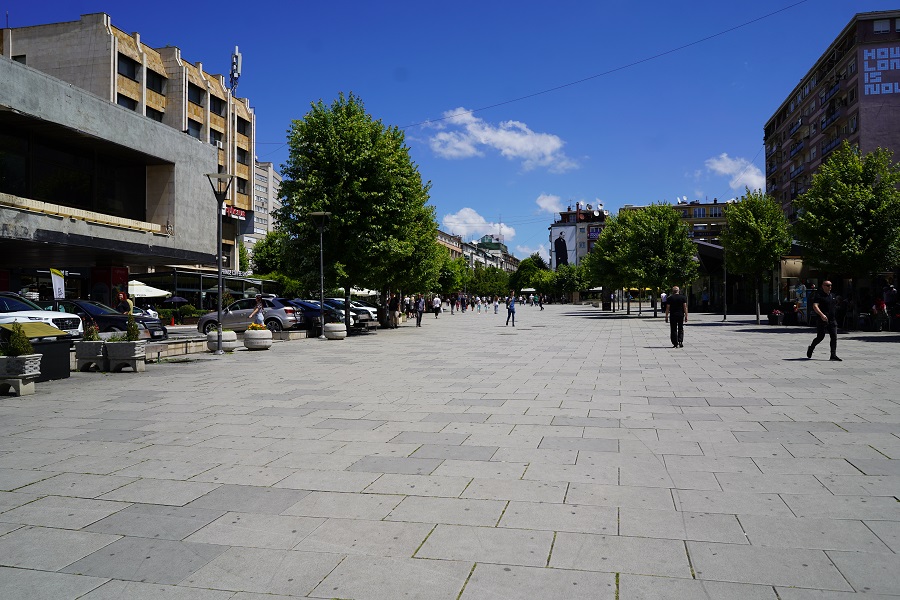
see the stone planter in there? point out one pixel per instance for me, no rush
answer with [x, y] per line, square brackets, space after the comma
[27, 366]
[89, 354]
[126, 354]
[335, 331]
[230, 342]
[257, 339]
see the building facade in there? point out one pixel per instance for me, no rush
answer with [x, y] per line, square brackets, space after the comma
[266, 187]
[852, 93]
[158, 85]
[92, 188]
[573, 235]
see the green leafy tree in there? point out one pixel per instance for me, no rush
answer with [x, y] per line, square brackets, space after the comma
[642, 248]
[849, 220]
[568, 279]
[382, 234]
[243, 257]
[526, 275]
[489, 281]
[268, 253]
[755, 237]
[453, 276]
[539, 261]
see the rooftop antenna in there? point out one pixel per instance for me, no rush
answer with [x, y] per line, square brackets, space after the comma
[236, 60]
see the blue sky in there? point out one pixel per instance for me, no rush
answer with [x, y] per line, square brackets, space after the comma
[514, 110]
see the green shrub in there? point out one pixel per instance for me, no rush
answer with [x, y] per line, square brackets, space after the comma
[132, 333]
[166, 314]
[18, 343]
[119, 337]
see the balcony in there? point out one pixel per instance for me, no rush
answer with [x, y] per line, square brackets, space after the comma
[830, 146]
[771, 170]
[796, 126]
[797, 148]
[829, 119]
[797, 171]
[831, 92]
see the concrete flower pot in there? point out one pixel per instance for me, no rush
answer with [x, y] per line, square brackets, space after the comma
[90, 353]
[20, 367]
[257, 339]
[335, 331]
[230, 342]
[126, 354]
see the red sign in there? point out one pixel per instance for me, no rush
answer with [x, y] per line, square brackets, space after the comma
[235, 213]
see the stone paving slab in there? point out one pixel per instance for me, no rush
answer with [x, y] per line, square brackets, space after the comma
[577, 456]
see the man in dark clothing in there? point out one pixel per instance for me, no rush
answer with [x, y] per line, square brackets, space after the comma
[677, 309]
[394, 308]
[824, 305]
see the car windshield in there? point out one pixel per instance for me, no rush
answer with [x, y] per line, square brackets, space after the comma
[96, 308]
[8, 304]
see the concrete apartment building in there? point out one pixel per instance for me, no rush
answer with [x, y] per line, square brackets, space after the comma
[266, 185]
[146, 108]
[852, 93]
[573, 235]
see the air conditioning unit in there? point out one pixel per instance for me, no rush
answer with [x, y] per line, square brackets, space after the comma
[219, 144]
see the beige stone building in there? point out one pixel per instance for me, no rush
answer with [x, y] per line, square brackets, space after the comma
[157, 83]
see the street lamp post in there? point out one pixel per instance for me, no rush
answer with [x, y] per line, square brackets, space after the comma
[320, 219]
[220, 183]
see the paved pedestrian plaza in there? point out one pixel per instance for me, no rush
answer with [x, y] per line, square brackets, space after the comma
[575, 456]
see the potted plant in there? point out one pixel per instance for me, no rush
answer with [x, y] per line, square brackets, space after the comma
[257, 337]
[126, 350]
[19, 360]
[89, 350]
[776, 317]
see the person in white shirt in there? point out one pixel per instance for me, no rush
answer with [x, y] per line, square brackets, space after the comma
[437, 306]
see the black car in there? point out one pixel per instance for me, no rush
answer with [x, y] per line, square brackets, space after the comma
[312, 312]
[109, 320]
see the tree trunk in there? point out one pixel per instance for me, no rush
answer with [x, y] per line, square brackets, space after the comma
[756, 296]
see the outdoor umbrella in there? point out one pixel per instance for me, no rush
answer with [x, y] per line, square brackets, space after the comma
[177, 300]
[138, 289]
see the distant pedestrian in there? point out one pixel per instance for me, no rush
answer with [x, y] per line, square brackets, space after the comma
[420, 309]
[676, 316]
[541, 301]
[824, 306]
[496, 304]
[511, 309]
[123, 306]
[258, 315]
[437, 306]
[394, 308]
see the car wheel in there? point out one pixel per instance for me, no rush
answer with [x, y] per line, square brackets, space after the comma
[210, 326]
[274, 325]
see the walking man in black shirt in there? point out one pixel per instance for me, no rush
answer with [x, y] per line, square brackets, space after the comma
[824, 306]
[677, 309]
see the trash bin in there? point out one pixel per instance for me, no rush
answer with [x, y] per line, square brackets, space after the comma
[607, 305]
[55, 360]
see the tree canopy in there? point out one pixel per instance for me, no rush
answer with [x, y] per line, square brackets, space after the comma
[648, 247]
[382, 234]
[849, 219]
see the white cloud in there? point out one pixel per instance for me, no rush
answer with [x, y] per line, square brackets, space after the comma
[464, 135]
[526, 251]
[469, 224]
[549, 203]
[742, 172]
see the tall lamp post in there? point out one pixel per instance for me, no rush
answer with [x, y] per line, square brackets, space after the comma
[321, 219]
[220, 183]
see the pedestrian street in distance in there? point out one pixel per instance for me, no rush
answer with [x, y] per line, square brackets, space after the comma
[578, 455]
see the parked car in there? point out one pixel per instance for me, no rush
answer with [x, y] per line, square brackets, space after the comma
[373, 311]
[15, 308]
[339, 309]
[109, 320]
[279, 314]
[145, 311]
[312, 312]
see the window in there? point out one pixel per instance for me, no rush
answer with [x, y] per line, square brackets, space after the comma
[882, 26]
[156, 115]
[194, 128]
[260, 188]
[243, 157]
[715, 211]
[156, 82]
[262, 178]
[126, 102]
[241, 185]
[195, 94]
[217, 106]
[128, 68]
[699, 212]
[243, 126]
[215, 137]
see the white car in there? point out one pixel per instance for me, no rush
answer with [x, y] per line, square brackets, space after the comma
[353, 303]
[15, 308]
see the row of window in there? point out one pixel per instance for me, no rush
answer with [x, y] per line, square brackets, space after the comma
[884, 25]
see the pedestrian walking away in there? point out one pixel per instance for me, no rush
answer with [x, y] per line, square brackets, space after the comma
[496, 304]
[824, 307]
[676, 316]
[394, 308]
[437, 306]
[511, 309]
